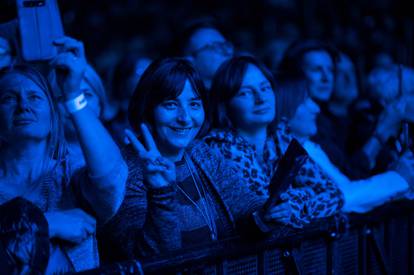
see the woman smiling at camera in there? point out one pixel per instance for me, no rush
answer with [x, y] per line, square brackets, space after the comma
[179, 192]
[244, 99]
[33, 164]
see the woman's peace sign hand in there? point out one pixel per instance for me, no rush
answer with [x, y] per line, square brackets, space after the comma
[158, 171]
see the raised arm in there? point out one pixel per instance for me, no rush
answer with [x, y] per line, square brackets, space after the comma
[107, 171]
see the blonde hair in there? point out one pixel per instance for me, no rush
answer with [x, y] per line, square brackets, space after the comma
[56, 144]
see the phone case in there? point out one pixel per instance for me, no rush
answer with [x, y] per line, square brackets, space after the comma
[287, 169]
[39, 24]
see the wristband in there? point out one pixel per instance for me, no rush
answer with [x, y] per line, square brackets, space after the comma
[76, 104]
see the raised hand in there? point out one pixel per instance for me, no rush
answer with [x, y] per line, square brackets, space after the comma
[158, 171]
[72, 225]
[70, 65]
[389, 122]
[278, 213]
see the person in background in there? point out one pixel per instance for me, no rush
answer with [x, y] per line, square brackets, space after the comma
[206, 47]
[126, 76]
[392, 93]
[354, 152]
[298, 112]
[35, 167]
[316, 61]
[244, 101]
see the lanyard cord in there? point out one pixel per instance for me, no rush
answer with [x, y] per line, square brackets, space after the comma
[205, 210]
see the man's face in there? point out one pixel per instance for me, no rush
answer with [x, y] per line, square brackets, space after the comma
[208, 49]
[319, 71]
[346, 86]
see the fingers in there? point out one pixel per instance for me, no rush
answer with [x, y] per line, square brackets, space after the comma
[142, 152]
[153, 168]
[279, 212]
[71, 45]
[64, 60]
[148, 139]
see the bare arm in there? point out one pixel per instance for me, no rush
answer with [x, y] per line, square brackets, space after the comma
[107, 170]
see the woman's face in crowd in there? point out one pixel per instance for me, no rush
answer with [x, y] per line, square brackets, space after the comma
[24, 109]
[319, 71]
[178, 121]
[303, 123]
[254, 104]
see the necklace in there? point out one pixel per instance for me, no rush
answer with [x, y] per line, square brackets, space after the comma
[205, 208]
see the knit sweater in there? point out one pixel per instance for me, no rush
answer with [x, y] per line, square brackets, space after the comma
[150, 221]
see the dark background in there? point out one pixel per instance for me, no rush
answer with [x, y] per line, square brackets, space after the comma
[363, 29]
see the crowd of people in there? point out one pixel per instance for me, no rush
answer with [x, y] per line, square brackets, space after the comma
[186, 155]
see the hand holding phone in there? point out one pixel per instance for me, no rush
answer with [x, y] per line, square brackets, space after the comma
[39, 26]
[70, 65]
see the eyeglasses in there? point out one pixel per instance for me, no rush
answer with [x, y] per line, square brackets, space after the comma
[225, 48]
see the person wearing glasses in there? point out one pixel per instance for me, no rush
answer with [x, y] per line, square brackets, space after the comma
[205, 46]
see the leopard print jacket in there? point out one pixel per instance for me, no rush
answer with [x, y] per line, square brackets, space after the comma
[313, 195]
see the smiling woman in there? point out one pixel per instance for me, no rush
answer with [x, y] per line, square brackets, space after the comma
[179, 193]
[243, 93]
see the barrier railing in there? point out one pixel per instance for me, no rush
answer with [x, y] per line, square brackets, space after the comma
[380, 242]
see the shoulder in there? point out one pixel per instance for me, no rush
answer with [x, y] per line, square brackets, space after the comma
[208, 159]
[282, 135]
[201, 152]
[222, 138]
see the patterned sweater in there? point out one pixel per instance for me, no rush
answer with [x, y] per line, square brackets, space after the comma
[150, 221]
[313, 195]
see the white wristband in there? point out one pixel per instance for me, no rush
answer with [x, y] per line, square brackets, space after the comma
[76, 104]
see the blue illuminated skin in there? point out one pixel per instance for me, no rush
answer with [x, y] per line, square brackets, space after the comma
[251, 110]
[303, 123]
[253, 107]
[177, 122]
[318, 67]
[24, 110]
[207, 59]
[5, 55]
[93, 100]
[93, 104]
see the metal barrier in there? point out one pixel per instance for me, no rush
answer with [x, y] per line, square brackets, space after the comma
[380, 242]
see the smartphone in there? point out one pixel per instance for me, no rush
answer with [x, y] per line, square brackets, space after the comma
[39, 26]
[286, 171]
